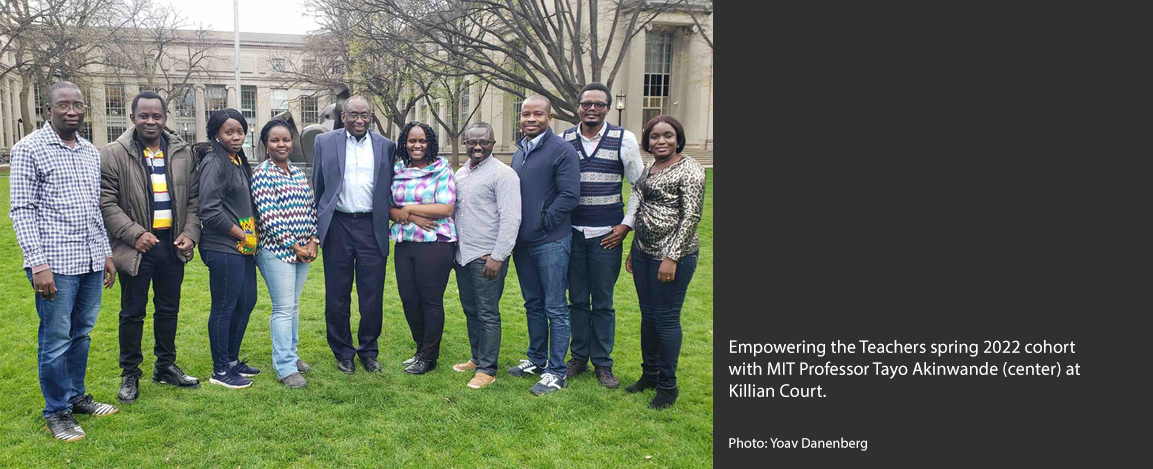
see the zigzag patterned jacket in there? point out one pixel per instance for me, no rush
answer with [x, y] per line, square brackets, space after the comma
[285, 211]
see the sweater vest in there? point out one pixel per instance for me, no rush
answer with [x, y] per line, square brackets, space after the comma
[601, 177]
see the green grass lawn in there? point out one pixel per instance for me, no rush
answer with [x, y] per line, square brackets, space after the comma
[386, 419]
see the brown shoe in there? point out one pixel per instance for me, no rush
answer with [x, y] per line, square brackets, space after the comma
[481, 380]
[606, 378]
[464, 367]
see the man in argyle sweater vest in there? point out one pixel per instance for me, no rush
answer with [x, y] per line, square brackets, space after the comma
[608, 154]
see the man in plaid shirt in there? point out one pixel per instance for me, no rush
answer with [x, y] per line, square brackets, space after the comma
[55, 190]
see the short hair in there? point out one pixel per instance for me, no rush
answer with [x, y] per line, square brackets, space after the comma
[596, 85]
[270, 125]
[670, 120]
[218, 118]
[433, 149]
[357, 97]
[149, 95]
[547, 103]
[480, 124]
[62, 84]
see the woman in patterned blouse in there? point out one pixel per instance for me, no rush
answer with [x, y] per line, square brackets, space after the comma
[423, 198]
[671, 191]
[286, 218]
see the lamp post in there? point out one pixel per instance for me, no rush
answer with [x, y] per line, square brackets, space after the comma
[620, 107]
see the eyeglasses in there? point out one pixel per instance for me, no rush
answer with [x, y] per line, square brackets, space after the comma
[155, 117]
[594, 104]
[358, 115]
[64, 107]
[473, 143]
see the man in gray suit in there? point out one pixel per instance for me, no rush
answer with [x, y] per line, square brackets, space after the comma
[352, 173]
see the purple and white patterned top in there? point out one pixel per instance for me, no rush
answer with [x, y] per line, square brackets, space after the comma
[433, 184]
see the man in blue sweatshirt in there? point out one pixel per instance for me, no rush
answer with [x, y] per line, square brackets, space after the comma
[549, 171]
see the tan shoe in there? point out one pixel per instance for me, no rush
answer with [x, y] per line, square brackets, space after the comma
[481, 380]
[464, 367]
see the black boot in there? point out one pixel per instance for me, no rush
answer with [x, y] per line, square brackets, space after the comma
[664, 398]
[645, 382]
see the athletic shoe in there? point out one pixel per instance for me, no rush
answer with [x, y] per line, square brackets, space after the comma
[549, 383]
[230, 379]
[301, 366]
[64, 426]
[572, 368]
[245, 370]
[524, 368]
[606, 378]
[85, 405]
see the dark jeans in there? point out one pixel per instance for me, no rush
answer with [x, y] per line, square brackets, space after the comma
[592, 272]
[661, 315]
[480, 300]
[350, 247]
[543, 275]
[165, 272]
[232, 282]
[421, 276]
[62, 339]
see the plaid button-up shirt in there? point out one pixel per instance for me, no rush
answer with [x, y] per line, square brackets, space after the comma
[55, 194]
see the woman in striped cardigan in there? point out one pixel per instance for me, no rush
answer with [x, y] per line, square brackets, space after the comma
[286, 218]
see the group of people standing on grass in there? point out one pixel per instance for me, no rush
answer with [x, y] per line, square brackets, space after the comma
[137, 208]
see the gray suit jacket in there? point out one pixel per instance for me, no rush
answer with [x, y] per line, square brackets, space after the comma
[328, 179]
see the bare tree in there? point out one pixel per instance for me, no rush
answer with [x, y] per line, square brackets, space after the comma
[454, 91]
[60, 39]
[373, 65]
[157, 45]
[551, 48]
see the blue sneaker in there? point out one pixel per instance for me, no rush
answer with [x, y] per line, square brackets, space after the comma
[245, 370]
[230, 379]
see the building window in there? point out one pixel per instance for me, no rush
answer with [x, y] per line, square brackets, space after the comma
[183, 101]
[464, 108]
[86, 132]
[41, 101]
[248, 110]
[514, 116]
[337, 70]
[278, 64]
[308, 111]
[114, 100]
[309, 66]
[279, 101]
[658, 65]
[114, 131]
[216, 98]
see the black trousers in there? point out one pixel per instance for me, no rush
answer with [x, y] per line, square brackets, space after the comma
[421, 276]
[165, 272]
[351, 251]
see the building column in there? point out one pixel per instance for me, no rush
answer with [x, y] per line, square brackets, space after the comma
[201, 122]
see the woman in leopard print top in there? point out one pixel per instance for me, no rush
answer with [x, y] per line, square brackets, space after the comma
[663, 257]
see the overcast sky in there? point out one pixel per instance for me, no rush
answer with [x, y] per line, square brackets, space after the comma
[256, 16]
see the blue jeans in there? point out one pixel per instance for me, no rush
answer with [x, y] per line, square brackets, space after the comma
[480, 300]
[660, 304]
[285, 282]
[592, 274]
[62, 339]
[543, 275]
[232, 283]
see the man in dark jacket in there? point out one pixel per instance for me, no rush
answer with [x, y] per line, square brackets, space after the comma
[148, 197]
[549, 172]
[352, 177]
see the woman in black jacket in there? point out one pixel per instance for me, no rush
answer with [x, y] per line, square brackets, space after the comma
[228, 244]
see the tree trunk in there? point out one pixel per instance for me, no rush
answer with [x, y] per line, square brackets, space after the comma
[25, 110]
[455, 160]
